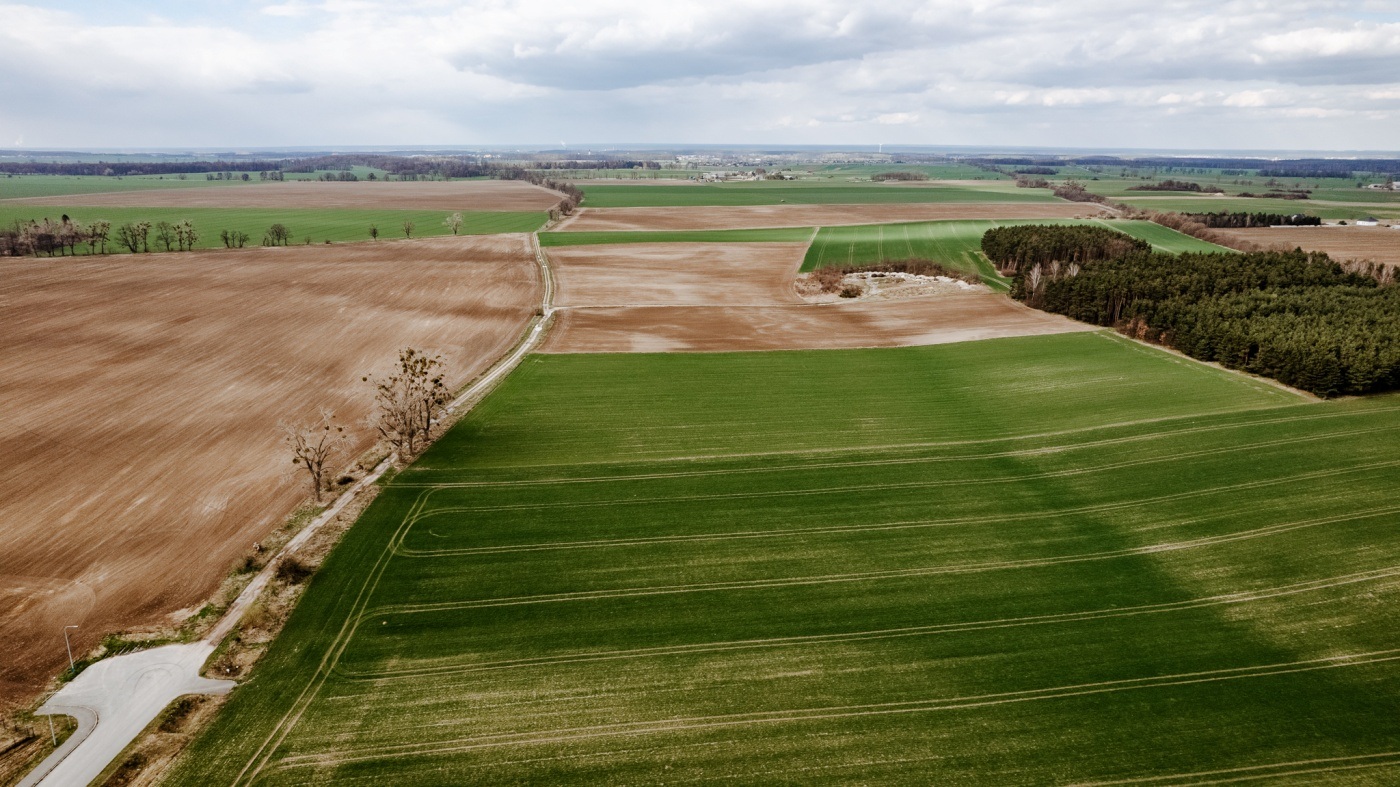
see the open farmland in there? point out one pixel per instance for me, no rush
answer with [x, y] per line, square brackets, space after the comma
[676, 274]
[958, 244]
[761, 216]
[915, 322]
[687, 297]
[142, 396]
[995, 562]
[803, 192]
[452, 195]
[320, 225]
[30, 186]
[1380, 244]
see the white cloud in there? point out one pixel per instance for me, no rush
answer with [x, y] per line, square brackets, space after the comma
[1178, 73]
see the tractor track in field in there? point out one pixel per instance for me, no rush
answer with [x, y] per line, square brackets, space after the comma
[871, 576]
[969, 702]
[1238, 597]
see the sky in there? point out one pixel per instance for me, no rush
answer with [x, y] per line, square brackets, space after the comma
[1105, 74]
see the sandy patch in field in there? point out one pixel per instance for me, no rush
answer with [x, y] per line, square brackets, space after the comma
[142, 395]
[760, 216]
[467, 195]
[879, 286]
[896, 323]
[1380, 244]
[676, 274]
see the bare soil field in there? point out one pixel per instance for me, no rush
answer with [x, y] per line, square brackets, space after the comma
[763, 216]
[895, 323]
[1380, 244]
[465, 195]
[142, 400]
[677, 274]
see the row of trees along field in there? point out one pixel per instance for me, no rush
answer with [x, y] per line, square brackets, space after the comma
[1297, 317]
[1243, 220]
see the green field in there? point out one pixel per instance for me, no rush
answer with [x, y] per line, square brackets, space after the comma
[320, 225]
[780, 235]
[802, 192]
[28, 186]
[958, 244]
[1056, 559]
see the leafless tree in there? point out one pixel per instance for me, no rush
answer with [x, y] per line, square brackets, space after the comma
[186, 234]
[165, 233]
[143, 229]
[409, 400]
[130, 237]
[408, 229]
[278, 235]
[373, 232]
[454, 222]
[313, 445]
[98, 232]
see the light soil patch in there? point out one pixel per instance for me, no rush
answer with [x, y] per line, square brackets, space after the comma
[677, 274]
[761, 216]
[880, 286]
[142, 396]
[460, 195]
[894, 323]
[1380, 244]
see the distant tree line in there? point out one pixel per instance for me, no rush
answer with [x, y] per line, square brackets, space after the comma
[1242, 220]
[1288, 194]
[110, 169]
[1177, 185]
[899, 176]
[1297, 317]
[1014, 250]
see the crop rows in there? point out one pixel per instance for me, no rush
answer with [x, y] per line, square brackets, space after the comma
[1005, 561]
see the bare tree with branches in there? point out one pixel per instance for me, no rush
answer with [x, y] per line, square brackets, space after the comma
[409, 399]
[314, 445]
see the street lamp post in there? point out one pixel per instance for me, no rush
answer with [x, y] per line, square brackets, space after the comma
[69, 646]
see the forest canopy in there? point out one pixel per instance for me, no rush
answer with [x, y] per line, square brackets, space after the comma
[1296, 317]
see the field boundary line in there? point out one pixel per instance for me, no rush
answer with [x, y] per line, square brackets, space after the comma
[1018, 452]
[469, 397]
[876, 448]
[969, 702]
[1257, 771]
[832, 490]
[871, 576]
[1107, 613]
[910, 524]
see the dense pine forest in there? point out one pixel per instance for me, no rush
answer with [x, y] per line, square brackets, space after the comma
[1297, 317]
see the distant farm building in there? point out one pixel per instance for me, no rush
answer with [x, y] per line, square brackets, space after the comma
[1369, 221]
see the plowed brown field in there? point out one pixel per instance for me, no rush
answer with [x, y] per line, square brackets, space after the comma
[142, 396]
[485, 195]
[760, 216]
[917, 321]
[677, 274]
[692, 297]
[1381, 244]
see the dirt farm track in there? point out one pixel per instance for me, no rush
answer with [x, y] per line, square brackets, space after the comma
[142, 399]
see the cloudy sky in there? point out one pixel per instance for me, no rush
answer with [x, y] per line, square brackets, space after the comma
[1168, 74]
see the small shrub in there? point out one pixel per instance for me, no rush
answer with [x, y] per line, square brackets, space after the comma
[851, 291]
[293, 571]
